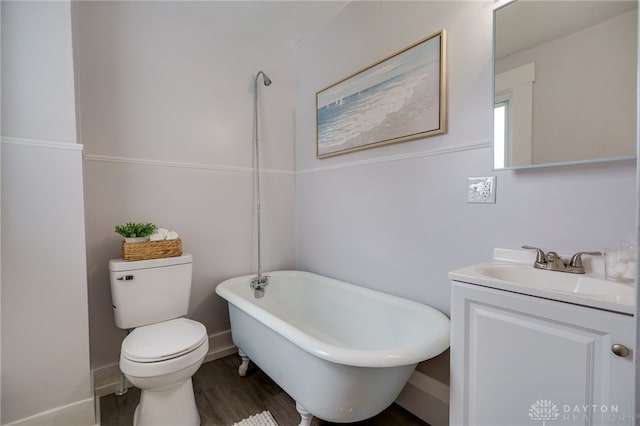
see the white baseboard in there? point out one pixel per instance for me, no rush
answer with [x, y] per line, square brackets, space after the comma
[106, 379]
[220, 345]
[80, 413]
[426, 398]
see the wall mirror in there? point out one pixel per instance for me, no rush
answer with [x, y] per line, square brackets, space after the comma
[565, 82]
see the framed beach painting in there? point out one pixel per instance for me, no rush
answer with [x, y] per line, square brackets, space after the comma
[400, 98]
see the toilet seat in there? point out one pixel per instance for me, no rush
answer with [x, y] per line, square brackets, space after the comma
[182, 344]
[163, 341]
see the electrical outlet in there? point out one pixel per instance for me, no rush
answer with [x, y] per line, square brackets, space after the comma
[482, 190]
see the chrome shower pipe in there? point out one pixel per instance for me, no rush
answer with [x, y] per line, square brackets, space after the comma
[260, 281]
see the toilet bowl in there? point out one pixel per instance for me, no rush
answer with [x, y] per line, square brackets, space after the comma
[160, 360]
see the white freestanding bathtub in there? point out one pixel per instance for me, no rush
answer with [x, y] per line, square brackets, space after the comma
[343, 352]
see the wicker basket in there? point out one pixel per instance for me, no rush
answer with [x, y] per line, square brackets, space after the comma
[151, 250]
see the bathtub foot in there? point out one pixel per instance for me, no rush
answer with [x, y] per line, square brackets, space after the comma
[242, 370]
[305, 416]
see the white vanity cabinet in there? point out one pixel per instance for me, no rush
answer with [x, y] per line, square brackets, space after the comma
[524, 360]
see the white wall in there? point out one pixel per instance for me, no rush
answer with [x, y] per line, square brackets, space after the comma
[45, 342]
[395, 218]
[37, 71]
[166, 114]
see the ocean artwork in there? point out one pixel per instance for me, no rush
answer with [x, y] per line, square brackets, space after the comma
[397, 99]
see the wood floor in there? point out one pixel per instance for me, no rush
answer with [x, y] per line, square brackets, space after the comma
[223, 398]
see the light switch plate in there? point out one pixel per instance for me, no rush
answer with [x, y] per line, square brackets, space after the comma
[482, 190]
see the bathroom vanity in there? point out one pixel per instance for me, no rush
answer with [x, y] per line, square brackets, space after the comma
[534, 345]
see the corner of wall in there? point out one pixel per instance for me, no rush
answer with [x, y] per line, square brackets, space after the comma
[426, 398]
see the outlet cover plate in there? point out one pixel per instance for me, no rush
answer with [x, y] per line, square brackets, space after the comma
[482, 190]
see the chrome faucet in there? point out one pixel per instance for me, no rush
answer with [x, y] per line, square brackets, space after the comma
[553, 262]
[259, 282]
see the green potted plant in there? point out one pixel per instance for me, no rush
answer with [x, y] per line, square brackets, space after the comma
[136, 232]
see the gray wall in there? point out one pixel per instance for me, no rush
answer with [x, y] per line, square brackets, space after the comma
[166, 114]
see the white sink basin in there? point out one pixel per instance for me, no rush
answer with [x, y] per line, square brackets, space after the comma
[557, 281]
[581, 289]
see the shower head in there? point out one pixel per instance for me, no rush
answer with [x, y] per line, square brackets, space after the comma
[266, 80]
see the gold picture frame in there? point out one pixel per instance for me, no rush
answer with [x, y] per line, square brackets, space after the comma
[399, 98]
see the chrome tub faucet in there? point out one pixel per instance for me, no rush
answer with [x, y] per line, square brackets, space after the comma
[259, 282]
[551, 261]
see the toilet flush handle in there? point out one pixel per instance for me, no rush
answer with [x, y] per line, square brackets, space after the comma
[125, 278]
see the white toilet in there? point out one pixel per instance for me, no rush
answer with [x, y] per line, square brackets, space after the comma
[164, 350]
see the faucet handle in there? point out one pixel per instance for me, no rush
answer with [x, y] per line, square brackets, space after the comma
[540, 257]
[576, 259]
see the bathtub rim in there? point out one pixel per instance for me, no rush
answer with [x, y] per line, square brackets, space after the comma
[438, 334]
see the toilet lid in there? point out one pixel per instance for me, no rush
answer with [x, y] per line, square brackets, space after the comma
[164, 340]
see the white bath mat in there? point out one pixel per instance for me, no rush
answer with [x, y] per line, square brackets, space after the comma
[261, 419]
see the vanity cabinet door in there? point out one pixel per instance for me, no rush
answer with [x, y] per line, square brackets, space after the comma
[522, 360]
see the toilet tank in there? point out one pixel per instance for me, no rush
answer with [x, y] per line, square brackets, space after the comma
[150, 291]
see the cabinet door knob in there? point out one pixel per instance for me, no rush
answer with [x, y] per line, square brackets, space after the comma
[620, 350]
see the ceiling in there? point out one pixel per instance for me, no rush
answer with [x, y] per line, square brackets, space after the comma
[286, 20]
